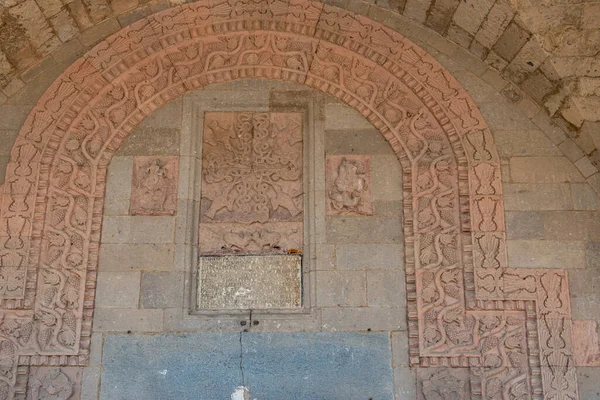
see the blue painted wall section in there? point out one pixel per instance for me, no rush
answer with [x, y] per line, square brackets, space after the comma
[274, 366]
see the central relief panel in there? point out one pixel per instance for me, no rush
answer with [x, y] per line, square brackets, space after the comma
[251, 211]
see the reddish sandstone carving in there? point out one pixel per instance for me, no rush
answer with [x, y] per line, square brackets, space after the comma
[251, 184]
[154, 186]
[458, 280]
[348, 185]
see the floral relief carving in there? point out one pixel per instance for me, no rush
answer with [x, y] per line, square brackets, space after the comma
[456, 260]
[54, 383]
[154, 186]
[348, 185]
[252, 188]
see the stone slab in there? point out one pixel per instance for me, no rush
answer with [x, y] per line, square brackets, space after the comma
[249, 282]
[269, 365]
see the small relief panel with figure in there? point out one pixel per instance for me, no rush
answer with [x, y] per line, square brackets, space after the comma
[252, 190]
[348, 185]
[154, 186]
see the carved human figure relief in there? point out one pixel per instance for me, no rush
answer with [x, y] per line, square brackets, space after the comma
[154, 186]
[252, 193]
[348, 185]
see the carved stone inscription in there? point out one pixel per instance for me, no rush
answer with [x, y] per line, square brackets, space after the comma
[249, 282]
[251, 184]
[348, 181]
[154, 186]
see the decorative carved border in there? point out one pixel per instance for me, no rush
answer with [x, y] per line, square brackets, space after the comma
[466, 308]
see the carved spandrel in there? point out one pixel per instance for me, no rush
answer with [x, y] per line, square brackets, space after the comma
[252, 190]
[348, 185]
[154, 186]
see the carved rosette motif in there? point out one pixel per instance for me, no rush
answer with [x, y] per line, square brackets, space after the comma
[464, 304]
[252, 191]
[348, 185]
[154, 186]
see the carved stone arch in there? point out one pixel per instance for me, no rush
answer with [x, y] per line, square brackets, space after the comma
[466, 307]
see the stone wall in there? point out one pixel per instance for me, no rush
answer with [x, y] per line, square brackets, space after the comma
[548, 51]
[552, 218]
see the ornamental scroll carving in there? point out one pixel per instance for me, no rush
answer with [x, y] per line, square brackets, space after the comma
[461, 292]
[252, 190]
[348, 185]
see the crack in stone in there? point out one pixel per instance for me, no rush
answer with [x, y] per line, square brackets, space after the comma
[242, 360]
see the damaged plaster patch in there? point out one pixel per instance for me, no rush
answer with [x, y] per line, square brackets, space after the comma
[241, 393]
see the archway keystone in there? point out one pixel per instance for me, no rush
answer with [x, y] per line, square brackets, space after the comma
[466, 307]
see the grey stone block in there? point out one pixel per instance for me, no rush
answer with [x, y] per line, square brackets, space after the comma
[524, 143]
[543, 170]
[363, 319]
[341, 288]
[325, 257]
[587, 382]
[370, 256]
[584, 281]
[340, 116]
[118, 289]
[118, 186]
[150, 141]
[537, 196]
[136, 257]
[364, 230]
[124, 320]
[546, 254]
[352, 141]
[511, 41]
[386, 178]
[90, 383]
[585, 306]
[571, 225]
[386, 288]
[405, 383]
[400, 349]
[162, 290]
[524, 225]
[138, 229]
[592, 253]
[383, 207]
[584, 197]
[7, 140]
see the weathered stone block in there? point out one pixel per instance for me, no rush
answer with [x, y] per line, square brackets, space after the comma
[123, 320]
[250, 282]
[531, 142]
[386, 288]
[64, 26]
[364, 319]
[339, 116]
[136, 257]
[369, 256]
[546, 254]
[524, 225]
[162, 290]
[365, 141]
[373, 229]
[341, 288]
[470, 14]
[141, 229]
[537, 196]
[386, 178]
[511, 41]
[493, 26]
[586, 343]
[543, 170]
[118, 289]
[527, 60]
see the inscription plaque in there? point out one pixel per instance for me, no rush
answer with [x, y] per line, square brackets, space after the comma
[250, 282]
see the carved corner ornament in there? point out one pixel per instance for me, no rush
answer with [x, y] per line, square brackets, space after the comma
[154, 185]
[348, 185]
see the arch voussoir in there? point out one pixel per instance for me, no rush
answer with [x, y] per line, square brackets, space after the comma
[461, 295]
